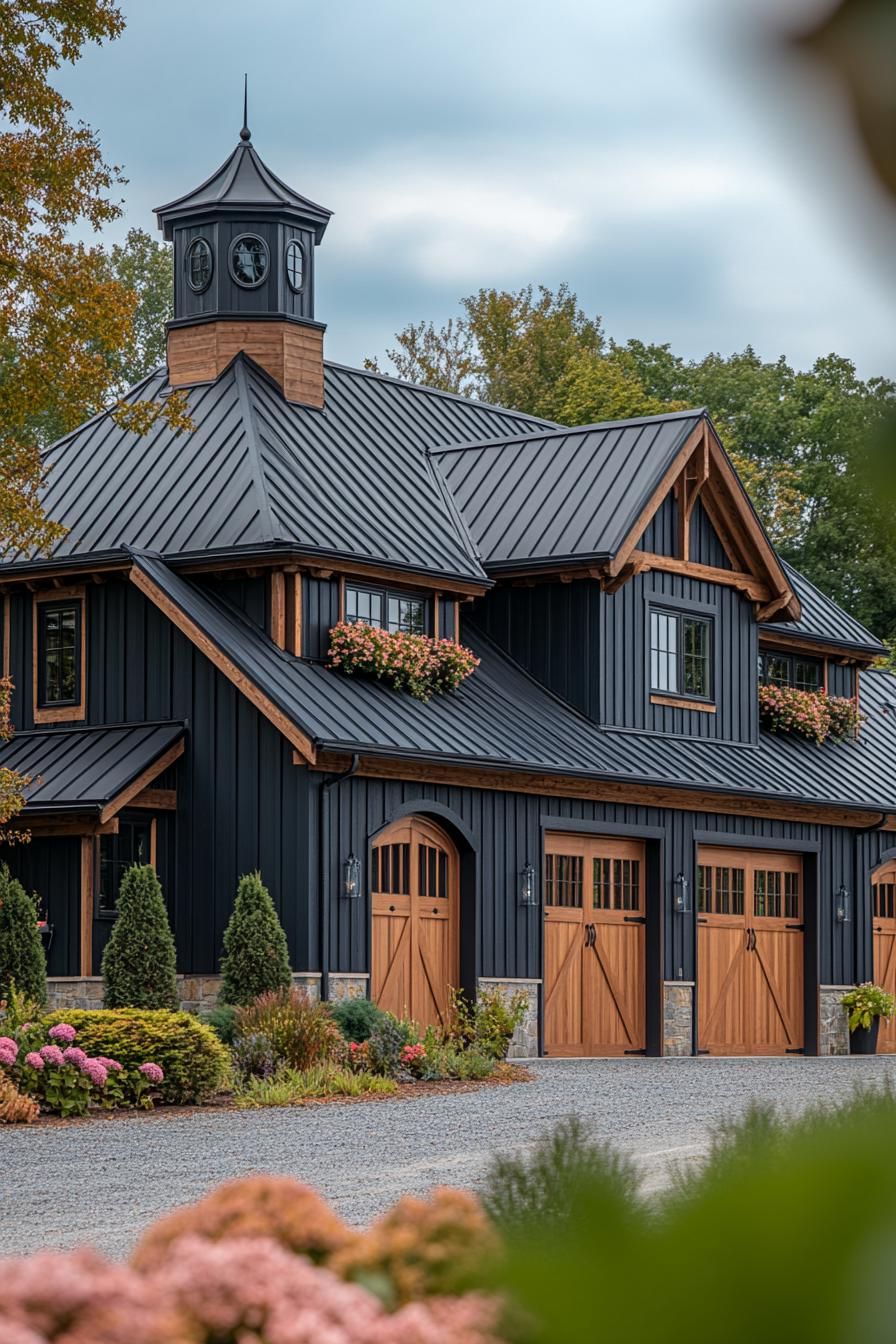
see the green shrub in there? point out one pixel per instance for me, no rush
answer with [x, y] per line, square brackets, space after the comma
[195, 1063]
[256, 955]
[355, 1018]
[300, 1030]
[538, 1189]
[288, 1087]
[486, 1025]
[865, 1003]
[22, 959]
[385, 1043]
[139, 960]
[221, 1019]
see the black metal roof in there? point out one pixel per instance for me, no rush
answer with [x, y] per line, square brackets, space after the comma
[565, 494]
[243, 182]
[83, 769]
[352, 481]
[822, 620]
[501, 718]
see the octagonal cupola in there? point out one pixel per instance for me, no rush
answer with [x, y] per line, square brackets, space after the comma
[244, 247]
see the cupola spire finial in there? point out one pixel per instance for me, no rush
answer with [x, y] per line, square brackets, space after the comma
[245, 133]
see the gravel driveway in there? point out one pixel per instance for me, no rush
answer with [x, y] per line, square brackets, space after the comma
[102, 1182]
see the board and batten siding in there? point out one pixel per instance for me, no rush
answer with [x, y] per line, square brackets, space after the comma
[242, 804]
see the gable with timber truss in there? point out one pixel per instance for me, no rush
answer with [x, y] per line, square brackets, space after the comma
[698, 488]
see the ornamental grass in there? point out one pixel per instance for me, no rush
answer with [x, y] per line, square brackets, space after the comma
[421, 666]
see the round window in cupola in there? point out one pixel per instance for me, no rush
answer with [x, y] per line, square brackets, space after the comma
[199, 265]
[248, 260]
[295, 265]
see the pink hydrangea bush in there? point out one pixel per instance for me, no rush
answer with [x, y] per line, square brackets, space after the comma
[67, 1081]
[415, 663]
[811, 714]
[246, 1289]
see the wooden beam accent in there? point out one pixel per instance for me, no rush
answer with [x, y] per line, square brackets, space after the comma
[153, 842]
[59, 713]
[37, 579]
[341, 609]
[766, 612]
[156, 800]
[146, 777]
[387, 575]
[86, 885]
[63, 825]
[599, 790]
[732, 578]
[225, 665]
[435, 615]
[681, 458]
[278, 608]
[781, 639]
[679, 702]
[294, 613]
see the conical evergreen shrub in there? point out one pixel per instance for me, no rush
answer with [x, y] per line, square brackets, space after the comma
[256, 954]
[22, 956]
[139, 961]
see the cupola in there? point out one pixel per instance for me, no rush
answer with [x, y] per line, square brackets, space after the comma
[244, 247]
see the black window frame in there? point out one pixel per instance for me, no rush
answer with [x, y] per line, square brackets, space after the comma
[188, 263]
[45, 609]
[681, 617]
[386, 595]
[128, 824]
[295, 245]
[266, 252]
[791, 659]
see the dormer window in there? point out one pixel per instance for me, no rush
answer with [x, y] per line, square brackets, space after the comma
[680, 654]
[295, 265]
[385, 609]
[199, 265]
[248, 260]
[785, 669]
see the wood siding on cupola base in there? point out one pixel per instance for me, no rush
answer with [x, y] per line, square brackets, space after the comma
[291, 352]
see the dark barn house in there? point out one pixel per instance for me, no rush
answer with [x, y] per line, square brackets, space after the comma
[595, 816]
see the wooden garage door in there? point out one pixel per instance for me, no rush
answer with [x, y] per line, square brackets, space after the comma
[593, 946]
[415, 896]
[749, 952]
[883, 895]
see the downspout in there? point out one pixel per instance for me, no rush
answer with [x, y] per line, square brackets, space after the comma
[323, 823]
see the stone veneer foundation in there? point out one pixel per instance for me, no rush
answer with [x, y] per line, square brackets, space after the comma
[833, 1023]
[198, 993]
[348, 985]
[678, 1017]
[524, 1044]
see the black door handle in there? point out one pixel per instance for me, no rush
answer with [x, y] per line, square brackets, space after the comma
[391, 907]
[435, 909]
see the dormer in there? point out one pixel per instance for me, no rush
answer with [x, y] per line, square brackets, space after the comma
[244, 250]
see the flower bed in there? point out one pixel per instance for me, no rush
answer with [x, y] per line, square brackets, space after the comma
[811, 714]
[415, 663]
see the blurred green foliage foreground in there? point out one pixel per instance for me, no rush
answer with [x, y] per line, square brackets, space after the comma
[787, 1232]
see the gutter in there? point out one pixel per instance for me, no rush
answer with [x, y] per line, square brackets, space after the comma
[323, 826]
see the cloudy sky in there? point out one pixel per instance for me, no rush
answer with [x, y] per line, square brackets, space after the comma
[689, 186]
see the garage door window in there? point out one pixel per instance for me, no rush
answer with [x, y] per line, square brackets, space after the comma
[720, 890]
[563, 874]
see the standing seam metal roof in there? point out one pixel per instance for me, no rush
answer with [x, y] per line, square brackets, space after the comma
[502, 718]
[822, 619]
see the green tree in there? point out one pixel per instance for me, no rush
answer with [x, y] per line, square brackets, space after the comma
[143, 267]
[139, 960]
[22, 958]
[256, 954]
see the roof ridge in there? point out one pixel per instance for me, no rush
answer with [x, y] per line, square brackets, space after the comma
[560, 431]
[254, 450]
[437, 392]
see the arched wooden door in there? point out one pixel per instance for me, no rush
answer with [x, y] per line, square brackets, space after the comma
[415, 893]
[883, 907]
[749, 952]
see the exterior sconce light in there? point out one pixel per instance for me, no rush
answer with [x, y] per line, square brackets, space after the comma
[841, 906]
[351, 886]
[527, 886]
[681, 901]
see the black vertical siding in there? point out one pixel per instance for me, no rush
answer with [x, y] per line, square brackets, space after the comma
[320, 612]
[661, 534]
[447, 619]
[551, 629]
[705, 546]
[841, 680]
[251, 595]
[51, 868]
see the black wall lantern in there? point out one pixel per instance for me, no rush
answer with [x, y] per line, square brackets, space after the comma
[527, 885]
[681, 901]
[841, 906]
[351, 886]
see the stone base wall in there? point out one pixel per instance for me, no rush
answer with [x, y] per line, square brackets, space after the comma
[833, 1023]
[198, 993]
[678, 1017]
[524, 1044]
[348, 985]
